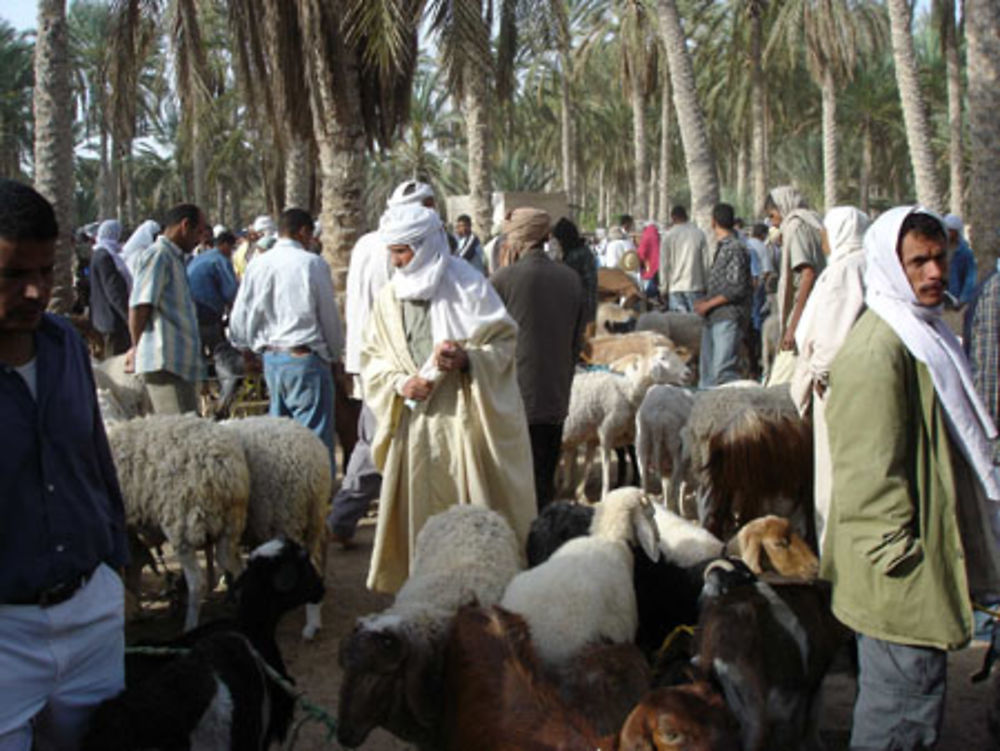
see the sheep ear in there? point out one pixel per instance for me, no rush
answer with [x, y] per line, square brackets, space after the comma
[421, 681]
[645, 531]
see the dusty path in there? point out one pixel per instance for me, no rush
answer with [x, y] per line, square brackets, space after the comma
[314, 665]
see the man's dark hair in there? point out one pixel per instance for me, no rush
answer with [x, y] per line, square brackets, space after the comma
[724, 216]
[179, 213]
[25, 214]
[925, 225]
[679, 214]
[625, 220]
[759, 231]
[739, 223]
[292, 221]
[227, 238]
[567, 234]
[464, 218]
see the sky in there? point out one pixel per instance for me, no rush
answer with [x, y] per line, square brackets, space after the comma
[22, 13]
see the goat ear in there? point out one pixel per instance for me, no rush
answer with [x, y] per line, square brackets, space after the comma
[751, 551]
[645, 530]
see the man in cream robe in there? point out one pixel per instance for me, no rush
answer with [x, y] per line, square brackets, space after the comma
[438, 371]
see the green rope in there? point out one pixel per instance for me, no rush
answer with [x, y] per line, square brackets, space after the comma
[312, 712]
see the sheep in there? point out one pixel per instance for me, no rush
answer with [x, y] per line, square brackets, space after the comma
[584, 592]
[498, 696]
[602, 409]
[393, 661]
[691, 717]
[682, 541]
[769, 648]
[558, 522]
[290, 483]
[611, 317]
[217, 696]
[751, 454]
[188, 478]
[128, 388]
[658, 423]
[605, 349]
[683, 329]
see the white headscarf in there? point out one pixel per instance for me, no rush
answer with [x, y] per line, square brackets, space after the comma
[845, 229]
[461, 300]
[108, 235]
[792, 205]
[930, 341]
[139, 240]
[411, 191]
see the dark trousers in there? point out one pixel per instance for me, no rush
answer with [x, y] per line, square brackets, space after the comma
[546, 441]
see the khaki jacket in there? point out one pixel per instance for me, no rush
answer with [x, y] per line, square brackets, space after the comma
[894, 549]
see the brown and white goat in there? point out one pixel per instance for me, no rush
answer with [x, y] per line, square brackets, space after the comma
[691, 717]
[769, 648]
[769, 544]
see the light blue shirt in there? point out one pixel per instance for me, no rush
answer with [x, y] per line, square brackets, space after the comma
[213, 281]
[287, 300]
[170, 340]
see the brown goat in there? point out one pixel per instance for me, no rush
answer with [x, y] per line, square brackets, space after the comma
[770, 544]
[691, 717]
[497, 698]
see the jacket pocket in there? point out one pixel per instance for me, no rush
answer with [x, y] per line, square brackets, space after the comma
[897, 553]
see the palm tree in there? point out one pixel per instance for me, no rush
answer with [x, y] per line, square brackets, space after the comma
[918, 132]
[698, 155]
[639, 51]
[54, 138]
[944, 10]
[755, 10]
[983, 61]
[16, 56]
[831, 34]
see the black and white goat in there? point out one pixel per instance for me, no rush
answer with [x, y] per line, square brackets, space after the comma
[218, 695]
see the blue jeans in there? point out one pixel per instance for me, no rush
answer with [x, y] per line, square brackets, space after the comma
[301, 387]
[683, 302]
[720, 353]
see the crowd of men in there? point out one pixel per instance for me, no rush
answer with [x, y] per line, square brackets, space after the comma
[463, 357]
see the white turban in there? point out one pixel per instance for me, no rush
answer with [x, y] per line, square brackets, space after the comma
[138, 241]
[218, 229]
[412, 191]
[109, 235]
[845, 229]
[930, 341]
[264, 225]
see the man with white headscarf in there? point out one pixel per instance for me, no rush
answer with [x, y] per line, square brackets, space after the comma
[144, 236]
[438, 369]
[110, 285]
[802, 258]
[835, 304]
[367, 273]
[911, 535]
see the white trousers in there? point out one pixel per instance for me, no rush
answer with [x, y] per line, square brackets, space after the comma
[58, 663]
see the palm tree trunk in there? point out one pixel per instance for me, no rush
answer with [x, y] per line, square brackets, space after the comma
[298, 172]
[332, 72]
[742, 172]
[130, 207]
[759, 157]
[220, 202]
[865, 176]
[918, 132]
[639, 147]
[600, 196]
[694, 135]
[566, 125]
[956, 163]
[54, 139]
[106, 193]
[650, 207]
[666, 116]
[477, 134]
[829, 140]
[199, 157]
[982, 21]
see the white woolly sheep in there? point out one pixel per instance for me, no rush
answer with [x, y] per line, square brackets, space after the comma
[602, 409]
[393, 661]
[584, 592]
[658, 424]
[682, 541]
[683, 329]
[188, 478]
[128, 388]
[290, 483]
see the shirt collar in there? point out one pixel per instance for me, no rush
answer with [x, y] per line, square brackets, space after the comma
[287, 242]
[175, 249]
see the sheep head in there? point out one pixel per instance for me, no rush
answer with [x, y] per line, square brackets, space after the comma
[392, 678]
[667, 366]
[626, 515]
[769, 544]
[681, 718]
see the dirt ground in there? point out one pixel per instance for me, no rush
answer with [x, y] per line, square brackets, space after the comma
[315, 669]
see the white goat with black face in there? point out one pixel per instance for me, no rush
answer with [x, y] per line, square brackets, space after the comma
[603, 405]
[584, 593]
[393, 661]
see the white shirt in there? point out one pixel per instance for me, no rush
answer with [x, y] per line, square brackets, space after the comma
[367, 273]
[615, 251]
[287, 300]
[29, 372]
[685, 259]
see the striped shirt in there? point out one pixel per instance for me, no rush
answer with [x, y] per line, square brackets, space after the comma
[170, 340]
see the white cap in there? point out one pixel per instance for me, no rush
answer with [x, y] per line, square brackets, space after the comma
[953, 222]
[218, 229]
[265, 225]
[411, 191]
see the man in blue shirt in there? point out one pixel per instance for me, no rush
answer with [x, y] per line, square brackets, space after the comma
[213, 287]
[962, 265]
[62, 525]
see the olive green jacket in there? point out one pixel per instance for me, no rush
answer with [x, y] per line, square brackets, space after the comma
[894, 547]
